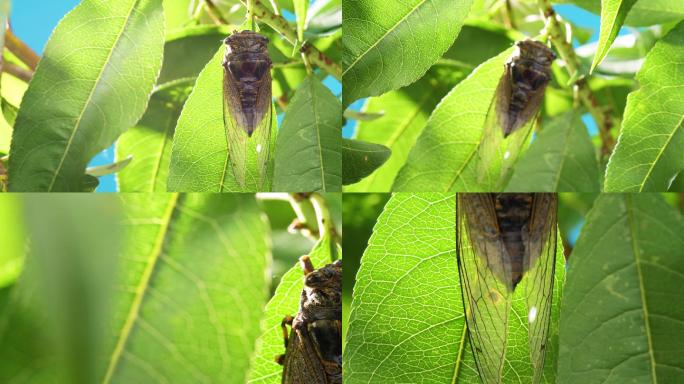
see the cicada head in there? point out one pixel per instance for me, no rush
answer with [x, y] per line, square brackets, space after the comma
[246, 42]
[323, 291]
[535, 51]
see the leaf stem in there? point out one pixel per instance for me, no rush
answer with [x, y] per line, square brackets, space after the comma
[214, 12]
[21, 50]
[250, 13]
[17, 71]
[280, 25]
[567, 53]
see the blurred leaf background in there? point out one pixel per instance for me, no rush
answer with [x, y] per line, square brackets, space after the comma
[140, 287]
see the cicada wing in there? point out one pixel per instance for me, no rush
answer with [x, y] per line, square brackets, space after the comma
[485, 275]
[249, 157]
[541, 242]
[302, 364]
[264, 141]
[489, 149]
[235, 134]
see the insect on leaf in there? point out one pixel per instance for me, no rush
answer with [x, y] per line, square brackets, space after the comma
[314, 346]
[248, 108]
[514, 109]
[503, 238]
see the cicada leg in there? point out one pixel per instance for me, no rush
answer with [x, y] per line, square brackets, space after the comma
[287, 320]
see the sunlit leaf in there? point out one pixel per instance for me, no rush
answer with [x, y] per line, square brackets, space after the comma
[92, 84]
[648, 153]
[191, 288]
[388, 45]
[613, 14]
[284, 302]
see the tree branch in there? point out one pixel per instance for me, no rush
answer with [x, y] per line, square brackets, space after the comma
[17, 71]
[281, 26]
[21, 50]
[214, 12]
[567, 53]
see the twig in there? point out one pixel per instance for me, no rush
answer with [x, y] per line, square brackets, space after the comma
[586, 96]
[306, 221]
[214, 12]
[17, 71]
[508, 15]
[280, 25]
[21, 50]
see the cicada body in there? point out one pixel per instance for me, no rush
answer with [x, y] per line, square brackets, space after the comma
[247, 104]
[313, 349]
[503, 240]
[523, 84]
[515, 105]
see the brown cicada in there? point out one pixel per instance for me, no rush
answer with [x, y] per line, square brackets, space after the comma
[247, 104]
[313, 349]
[504, 240]
[516, 103]
[522, 86]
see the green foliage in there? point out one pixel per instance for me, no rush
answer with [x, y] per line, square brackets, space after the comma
[52, 327]
[284, 302]
[308, 156]
[561, 158]
[176, 291]
[648, 153]
[86, 91]
[624, 275]
[389, 45]
[613, 14]
[360, 159]
[445, 156]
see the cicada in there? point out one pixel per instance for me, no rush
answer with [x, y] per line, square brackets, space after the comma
[313, 349]
[247, 105]
[504, 240]
[516, 103]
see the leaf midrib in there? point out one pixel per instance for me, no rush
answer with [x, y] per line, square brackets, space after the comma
[141, 289]
[96, 84]
[394, 27]
[317, 128]
[636, 251]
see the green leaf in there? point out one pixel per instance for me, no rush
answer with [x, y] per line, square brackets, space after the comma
[52, 331]
[407, 303]
[11, 239]
[360, 159]
[445, 156]
[188, 50]
[648, 153]
[613, 14]
[560, 159]
[193, 287]
[149, 142]
[388, 45]
[199, 158]
[300, 7]
[405, 113]
[618, 322]
[108, 169]
[308, 154]
[284, 302]
[92, 84]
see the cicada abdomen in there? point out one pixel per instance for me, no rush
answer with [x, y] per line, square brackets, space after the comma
[313, 349]
[515, 105]
[247, 106]
[506, 254]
